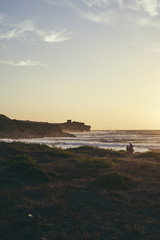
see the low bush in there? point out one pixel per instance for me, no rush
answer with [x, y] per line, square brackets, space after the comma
[97, 162]
[21, 162]
[37, 174]
[20, 166]
[113, 153]
[114, 181]
[23, 158]
[89, 150]
[149, 154]
[96, 151]
[58, 152]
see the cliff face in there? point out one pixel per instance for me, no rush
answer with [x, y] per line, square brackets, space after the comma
[28, 129]
[70, 126]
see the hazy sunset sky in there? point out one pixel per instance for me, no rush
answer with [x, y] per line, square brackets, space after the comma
[96, 61]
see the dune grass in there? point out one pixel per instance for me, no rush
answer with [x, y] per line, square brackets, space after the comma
[36, 174]
[114, 181]
[20, 163]
[26, 167]
[149, 154]
[22, 158]
[96, 151]
[76, 196]
[94, 162]
[58, 152]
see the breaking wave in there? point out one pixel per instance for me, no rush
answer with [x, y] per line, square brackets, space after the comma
[143, 140]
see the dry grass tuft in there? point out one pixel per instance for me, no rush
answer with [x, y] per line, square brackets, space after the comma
[114, 181]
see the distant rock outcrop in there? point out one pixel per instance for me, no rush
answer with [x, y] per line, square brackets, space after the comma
[70, 126]
[28, 129]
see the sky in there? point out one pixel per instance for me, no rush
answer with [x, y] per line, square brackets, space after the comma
[93, 61]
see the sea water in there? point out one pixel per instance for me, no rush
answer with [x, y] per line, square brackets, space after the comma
[143, 140]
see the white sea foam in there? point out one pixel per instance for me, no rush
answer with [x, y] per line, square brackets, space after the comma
[116, 140]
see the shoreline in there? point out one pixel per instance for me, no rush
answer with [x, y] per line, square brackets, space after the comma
[80, 139]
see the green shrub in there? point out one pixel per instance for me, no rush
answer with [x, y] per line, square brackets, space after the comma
[96, 162]
[96, 151]
[114, 181]
[37, 174]
[23, 158]
[88, 150]
[149, 154]
[20, 166]
[58, 152]
[21, 162]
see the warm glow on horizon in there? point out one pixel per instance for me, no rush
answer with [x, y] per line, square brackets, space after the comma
[90, 61]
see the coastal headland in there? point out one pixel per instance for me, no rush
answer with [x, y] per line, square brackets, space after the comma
[29, 129]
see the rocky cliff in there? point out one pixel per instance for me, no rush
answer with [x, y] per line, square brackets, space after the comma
[28, 129]
[70, 126]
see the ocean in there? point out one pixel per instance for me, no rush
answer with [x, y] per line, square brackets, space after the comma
[143, 140]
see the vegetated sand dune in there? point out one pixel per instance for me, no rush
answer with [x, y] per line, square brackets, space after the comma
[82, 193]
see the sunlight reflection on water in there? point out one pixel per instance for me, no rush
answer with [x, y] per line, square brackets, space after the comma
[116, 140]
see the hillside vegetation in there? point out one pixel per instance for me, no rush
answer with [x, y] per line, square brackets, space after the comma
[83, 193]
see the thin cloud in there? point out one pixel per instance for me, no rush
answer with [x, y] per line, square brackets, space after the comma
[57, 37]
[142, 13]
[150, 50]
[100, 3]
[23, 63]
[107, 18]
[54, 36]
[9, 34]
[114, 12]
[152, 7]
[156, 50]
[147, 22]
[26, 30]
